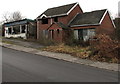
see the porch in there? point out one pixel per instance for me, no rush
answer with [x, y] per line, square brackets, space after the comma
[16, 31]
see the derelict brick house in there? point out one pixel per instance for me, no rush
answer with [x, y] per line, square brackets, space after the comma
[25, 28]
[88, 24]
[53, 22]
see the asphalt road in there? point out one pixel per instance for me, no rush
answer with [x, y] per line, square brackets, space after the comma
[24, 67]
[0, 64]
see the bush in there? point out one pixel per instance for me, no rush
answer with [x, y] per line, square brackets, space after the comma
[117, 29]
[45, 41]
[70, 40]
[104, 48]
[68, 37]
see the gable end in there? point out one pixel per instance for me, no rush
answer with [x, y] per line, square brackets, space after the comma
[109, 16]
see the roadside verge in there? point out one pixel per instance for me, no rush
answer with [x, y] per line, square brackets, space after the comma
[65, 57]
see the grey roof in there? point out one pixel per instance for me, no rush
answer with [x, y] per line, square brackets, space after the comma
[18, 22]
[88, 18]
[61, 25]
[58, 10]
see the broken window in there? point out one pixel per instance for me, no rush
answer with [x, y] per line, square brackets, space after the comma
[56, 19]
[16, 29]
[44, 20]
[23, 29]
[85, 34]
[9, 30]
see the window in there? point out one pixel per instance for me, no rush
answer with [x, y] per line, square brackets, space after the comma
[23, 29]
[45, 33]
[56, 19]
[44, 21]
[58, 31]
[9, 31]
[85, 32]
[91, 32]
[16, 29]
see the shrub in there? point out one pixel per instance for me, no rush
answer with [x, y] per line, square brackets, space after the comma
[68, 37]
[104, 48]
[45, 41]
[70, 40]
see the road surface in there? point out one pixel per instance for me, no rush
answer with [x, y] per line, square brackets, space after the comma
[25, 67]
[0, 64]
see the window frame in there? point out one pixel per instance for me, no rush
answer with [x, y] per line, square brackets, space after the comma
[23, 28]
[55, 19]
[9, 30]
[44, 20]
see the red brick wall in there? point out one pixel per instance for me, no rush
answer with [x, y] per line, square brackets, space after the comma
[44, 26]
[66, 19]
[106, 26]
[72, 14]
[57, 36]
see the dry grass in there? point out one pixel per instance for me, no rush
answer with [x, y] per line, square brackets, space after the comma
[105, 49]
[8, 42]
[82, 52]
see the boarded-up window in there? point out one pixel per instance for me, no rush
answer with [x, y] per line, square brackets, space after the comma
[85, 34]
[91, 32]
[76, 34]
[45, 33]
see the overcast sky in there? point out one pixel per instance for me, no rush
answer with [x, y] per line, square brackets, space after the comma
[33, 8]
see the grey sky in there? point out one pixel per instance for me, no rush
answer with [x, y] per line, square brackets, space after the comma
[32, 8]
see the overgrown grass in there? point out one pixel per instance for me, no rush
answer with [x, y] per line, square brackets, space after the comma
[82, 52]
[8, 42]
[96, 51]
[78, 51]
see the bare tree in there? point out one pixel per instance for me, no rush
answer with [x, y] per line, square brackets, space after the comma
[16, 16]
[8, 17]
